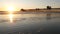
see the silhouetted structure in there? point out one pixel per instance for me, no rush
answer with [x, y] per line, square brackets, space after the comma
[22, 10]
[49, 7]
[37, 9]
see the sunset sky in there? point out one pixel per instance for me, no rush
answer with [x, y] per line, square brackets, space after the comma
[28, 4]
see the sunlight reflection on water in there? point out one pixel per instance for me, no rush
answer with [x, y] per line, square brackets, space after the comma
[29, 22]
[11, 17]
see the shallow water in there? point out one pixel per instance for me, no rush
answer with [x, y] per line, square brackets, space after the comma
[44, 23]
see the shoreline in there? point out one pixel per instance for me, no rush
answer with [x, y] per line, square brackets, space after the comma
[31, 12]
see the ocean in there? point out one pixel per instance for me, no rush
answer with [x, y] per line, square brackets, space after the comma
[43, 23]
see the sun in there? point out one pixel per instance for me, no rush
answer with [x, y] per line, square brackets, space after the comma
[10, 8]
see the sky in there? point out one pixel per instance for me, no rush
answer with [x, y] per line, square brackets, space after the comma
[29, 4]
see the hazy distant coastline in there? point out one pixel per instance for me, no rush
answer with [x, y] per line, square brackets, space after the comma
[32, 11]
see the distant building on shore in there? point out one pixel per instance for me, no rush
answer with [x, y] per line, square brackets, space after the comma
[49, 7]
[22, 10]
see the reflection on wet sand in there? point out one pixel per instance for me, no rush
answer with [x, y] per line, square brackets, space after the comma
[29, 23]
[48, 16]
[11, 17]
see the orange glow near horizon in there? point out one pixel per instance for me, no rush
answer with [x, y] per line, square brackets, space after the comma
[10, 8]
